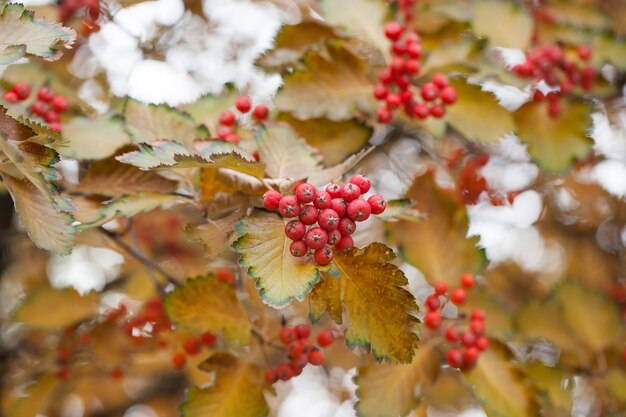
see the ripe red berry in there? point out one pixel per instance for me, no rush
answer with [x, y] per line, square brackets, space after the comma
[300, 361]
[421, 111]
[178, 360]
[412, 66]
[449, 95]
[468, 338]
[432, 320]
[584, 52]
[470, 356]
[284, 372]
[386, 76]
[440, 80]
[51, 117]
[10, 96]
[39, 108]
[323, 256]
[225, 275]
[345, 244]
[397, 64]
[271, 376]
[350, 192]
[380, 91]
[261, 112]
[339, 206]
[287, 335]
[334, 237]
[377, 204]
[298, 248]
[288, 206]
[243, 104]
[477, 314]
[334, 190]
[458, 296]
[322, 200]
[305, 193]
[393, 30]
[399, 47]
[227, 118]
[437, 111]
[22, 90]
[208, 339]
[455, 358]
[294, 349]
[328, 219]
[414, 50]
[393, 100]
[316, 358]
[271, 199]
[359, 210]
[467, 280]
[482, 342]
[384, 115]
[362, 182]
[303, 331]
[554, 109]
[295, 230]
[232, 138]
[325, 338]
[346, 226]
[45, 94]
[308, 214]
[477, 327]
[223, 132]
[192, 346]
[316, 238]
[60, 104]
[451, 334]
[432, 302]
[430, 91]
[440, 287]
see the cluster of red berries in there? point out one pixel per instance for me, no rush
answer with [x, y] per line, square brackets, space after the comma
[550, 64]
[467, 344]
[335, 210]
[47, 106]
[228, 119]
[192, 346]
[300, 351]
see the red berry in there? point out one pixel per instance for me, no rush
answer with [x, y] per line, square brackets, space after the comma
[429, 91]
[305, 193]
[397, 64]
[261, 112]
[346, 226]
[223, 132]
[51, 117]
[271, 376]
[377, 204]
[470, 356]
[284, 372]
[449, 95]
[380, 91]
[350, 192]
[440, 80]
[316, 238]
[359, 210]
[452, 334]
[178, 360]
[232, 138]
[362, 182]
[455, 358]
[393, 30]
[386, 76]
[584, 52]
[287, 335]
[399, 47]
[432, 302]
[208, 339]
[300, 361]
[227, 118]
[468, 339]
[45, 94]
[60, 104]
[440, 287]
[225, 275]
[477, 327]
[322, 200]
[39, 108]
[63, 372]
[295, 230]
[288, 206]
[412, 66]
[307, 346]
[339, 206]
[482, 342]
[325, 338]
[316, 358]
[22, 90]
[10, 96]
[437, 111]
[414, 50]
[432, 320]
[117, 374]
[384, 115]
[298, 248]
[294, 349]
[323, 256]
[467, 280]
[345, 244]
[334, 237]
[554, 109]
[458, 296]
[308, 214]
[303, 331]
[243, 104]
[334, 190]
[328, 219]
[192, 346]
[271, 199]
[421, 111]
[477, 314]
[393, 100]
[402, 81]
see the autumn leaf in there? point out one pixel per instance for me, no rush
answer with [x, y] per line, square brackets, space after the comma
[264, 249]
[503, 23]
[333, 83]
[555, 142]
[213, 235]
[378, 310]
[392, 390]
[207, 109]
[93, 138]
[552, 381]
[21, 34]
[438, 245]
[39, 395]
[401, 209]
[326, 175]
[237, 390]
[51, 308]
[206, 304]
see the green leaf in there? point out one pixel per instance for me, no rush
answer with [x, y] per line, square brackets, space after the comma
[504, 23]
[206, 304]
[264, 248]
[21, 34]
[378, 311]
[93, 138]
[51, 308]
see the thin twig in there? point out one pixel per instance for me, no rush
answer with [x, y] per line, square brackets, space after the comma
[264, 341]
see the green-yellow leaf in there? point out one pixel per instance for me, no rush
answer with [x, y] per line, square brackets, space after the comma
[95, 138]
[504, 23]
[213, 235]
[365, 285]
[50, 308]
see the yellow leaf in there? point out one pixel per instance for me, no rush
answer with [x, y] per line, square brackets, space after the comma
[39, 394]
[207, 304]
[504, 23]
[213, 235]
[93, 138]
[264, 249]
[237, 390]
[615, 381]
[50, 308]
[551, 380]
[378, 310]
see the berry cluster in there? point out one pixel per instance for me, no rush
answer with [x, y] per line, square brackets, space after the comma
[192, 346]
[330, 216]
[550, 64]
[47, 106]
[466, 344]
[228, 119]
[300, 351]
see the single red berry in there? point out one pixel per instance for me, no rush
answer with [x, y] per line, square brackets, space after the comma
[323, 256]
[437, 111]
[322, 200]
[346, 226]
[295, 230]
[243, 104]
[325, 338]
[334, 190]
[386, 76]
[440, 80]
[22, 90]
[328, 219]
[307, 346]
[554, 109]
[60, 104]
[316, 238]
[339, 206]
[432, 320]
[432, 302]
[384, 115]
[345, 244]
[406, 96]
[334, 237]
[303, 331]
[305, 193]
[223, 132]
[402, 81]
[294, 349]
[467, 280]
[393, 100]
[39, 108]
[362, 182]
[192, 346]
[397, 64]
[178, 360]
[271, 199]
[455, 358]
[482, 342]
[412, 66]
[440, 287]
[430, 91]
[51, 117]
[452, 334]
[449, 95]
[393, 30]
[10, 96]
[227, 118]
[316, 358]
[458, 296]
[284, 372]
[45, 94]
[468, 338]
[287, 335]
[350, 192]
[225, 275]
[271, 376]
[298, 248]
[232, 138]
[399, 47]
[421, 111]
[208, 339]
[477, 314]
[359, 210]
[300, 361]
[477, 327]
[414, 50]
[470, 356]
[380, 91]
[377, 204]
[308, 214]
[288, 206]
[584, 52]
[261, 112]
